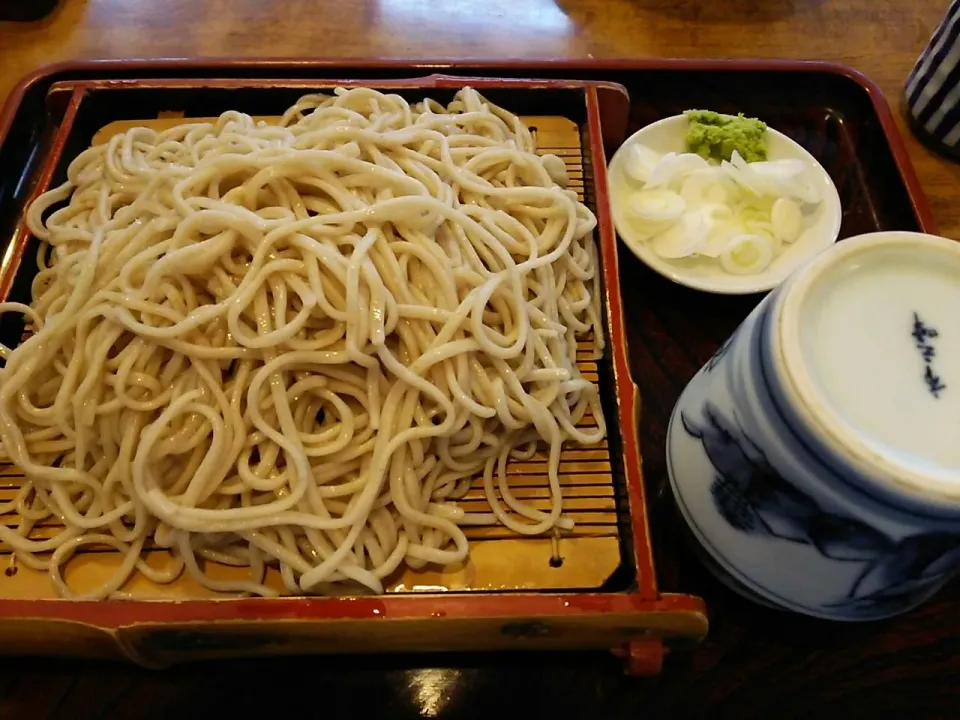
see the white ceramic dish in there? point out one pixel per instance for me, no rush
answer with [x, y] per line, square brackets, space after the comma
[700, 273]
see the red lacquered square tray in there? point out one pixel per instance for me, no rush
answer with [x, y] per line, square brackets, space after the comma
[593, 588]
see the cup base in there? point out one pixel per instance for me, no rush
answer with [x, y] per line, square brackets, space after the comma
[730, 577]
[715, 569]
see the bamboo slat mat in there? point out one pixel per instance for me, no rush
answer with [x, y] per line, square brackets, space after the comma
[499, 560]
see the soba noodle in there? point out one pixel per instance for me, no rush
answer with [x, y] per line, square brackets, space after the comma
[297, 345]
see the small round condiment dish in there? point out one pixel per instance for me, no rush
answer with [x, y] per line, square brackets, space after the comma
[702, 273]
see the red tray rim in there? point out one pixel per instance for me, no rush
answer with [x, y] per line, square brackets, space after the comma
[915, 193]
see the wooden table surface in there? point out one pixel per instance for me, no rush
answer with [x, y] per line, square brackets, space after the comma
[755, 663]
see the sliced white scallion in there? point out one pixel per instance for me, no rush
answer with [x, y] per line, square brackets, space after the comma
[719, 237]
[742, 180]
[721, 226]
[699, 185]
[657, 205]
[641, 161]
[786, 219]
[683, 239]
[747, 255]
[784, 178]
[675, 167]
[738, 213]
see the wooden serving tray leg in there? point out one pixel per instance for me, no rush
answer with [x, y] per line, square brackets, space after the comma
[642, 658]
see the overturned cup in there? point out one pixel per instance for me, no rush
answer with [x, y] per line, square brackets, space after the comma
[816, 457]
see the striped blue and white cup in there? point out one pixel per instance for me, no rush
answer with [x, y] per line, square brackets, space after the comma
[933, 88]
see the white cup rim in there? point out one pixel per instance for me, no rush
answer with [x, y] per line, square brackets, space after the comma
[931, 484]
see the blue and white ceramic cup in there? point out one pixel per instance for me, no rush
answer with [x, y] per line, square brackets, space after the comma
[816, 457]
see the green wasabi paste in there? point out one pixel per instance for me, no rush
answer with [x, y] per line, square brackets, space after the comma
[715, 136]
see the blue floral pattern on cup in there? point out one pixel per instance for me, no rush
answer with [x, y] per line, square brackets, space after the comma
[755, 499]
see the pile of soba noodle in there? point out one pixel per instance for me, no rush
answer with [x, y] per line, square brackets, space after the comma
[295, 345]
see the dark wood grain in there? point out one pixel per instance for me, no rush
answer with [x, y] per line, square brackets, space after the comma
[756, 662]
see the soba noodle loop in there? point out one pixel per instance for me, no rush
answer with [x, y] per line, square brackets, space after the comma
[297, 345]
